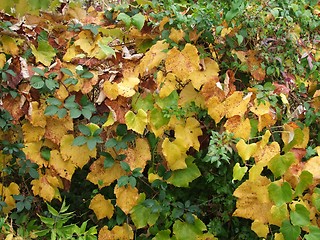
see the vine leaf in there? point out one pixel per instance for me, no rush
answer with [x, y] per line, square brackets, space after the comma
[118, 232]
[260, 228]
[44, 53]
[65, 169]
[101, 207]
[175, 153]
[102, 176]
[136, 122]
[300, 216]
[280, 163]
[246, 151]
[127, 197]
[279, 214]
[182, 177]
[239, 172]
[280, 194]
[8, 192]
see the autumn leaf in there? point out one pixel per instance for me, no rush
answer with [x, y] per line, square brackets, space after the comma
[78, 155]
[9, 45]
[136, 122]
[32, 151]
[65, 169]
[36, 115]
[123, 232]
[175, 153]
[102, 176]
[260, 229]
[152, 58]
[239, 127]
[176, 35]
[246, 150]
[31, 133]
[239, 172]
[253, 201]
[183, 63]
[44, 53]
[101, 207]
[127, 197]
[57, 128]
[266, 116]
[188, 95]
[6, 194]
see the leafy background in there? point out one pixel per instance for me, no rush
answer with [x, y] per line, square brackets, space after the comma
[159, 120]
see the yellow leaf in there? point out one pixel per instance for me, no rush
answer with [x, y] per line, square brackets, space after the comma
[253, 200]
[313, 166]
[188, 95]
[152, 177]
[152, 58]
[236, 104]
[127, 197]
[266, 116]
[101, 207]
[278, 236]
[72, 52]
[32, 151]
[78, 155]
[188, 133]
[111, 90]
[288, 135]
[210, 72]
[12, 189]
[47, 186]
[110, 120]
[216, 109]
[266, 153]
[126, 87]
[239, 127]
[183, 63]
[102, 176]
[85, 41]
[31, 133]
[138, 157]
[44, 53]
[137, 122]
[57, 128]
[175, 154]
[118, 232]
[36, 115]
[176, 35]
[166, 84]
[255, 170]
[279, 214]
[264, 140]
[260, 228]
[9, 45]
[2, 60]
[65, 169]
[246, 151]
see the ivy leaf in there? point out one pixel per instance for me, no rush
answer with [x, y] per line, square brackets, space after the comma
[289, 231]
[44, 53]
[138, 21]
[280, 194]
[300, 216]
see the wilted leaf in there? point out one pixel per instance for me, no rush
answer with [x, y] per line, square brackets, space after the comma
[57, 128]
[7, 192]
[31, 133]
[176, 35]
[65, 169]
[101, 207]
[240, 127]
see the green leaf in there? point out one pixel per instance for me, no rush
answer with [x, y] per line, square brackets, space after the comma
[33, 173]
[66, 71]
[281, 163]
[184, 230]
[79, 141]
[51, 84]
[182, 177]
[306, 179]
[71, 81]
[62, 112]
[36, 82]
[75, 113]
[142, 216]
[163, 235]
[121, 130]
[125, 166]
[132, 181]
[138, 21]
[125, 18]
[315, 198]
[157, 118]
[45, 153]
[44, 53]
[39, 71]
[169, 101]
[301, 216]
[54, 101]
[51, 110]
[112, 142]
[298, 138]
[107, 50]
[84, 130]
[86, 113]
[142, 102]
[87, 75]
[136, 122]
[280, 194]
[93, 28]
[70, 103]
[108, 161]
[239, 172]
[123, 181]
[92, 142]
[314, 233]
[289, 231]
